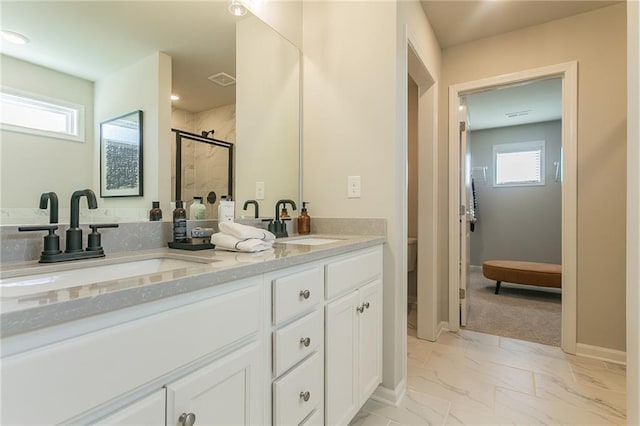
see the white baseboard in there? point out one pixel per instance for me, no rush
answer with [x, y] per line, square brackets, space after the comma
[443, 326]
[603, 354]
[390, 396]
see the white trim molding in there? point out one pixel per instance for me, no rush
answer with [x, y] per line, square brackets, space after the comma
[603, 354]
[390, 396]
[568, 72]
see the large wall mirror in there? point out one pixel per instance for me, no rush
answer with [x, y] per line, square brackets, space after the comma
[235, 76]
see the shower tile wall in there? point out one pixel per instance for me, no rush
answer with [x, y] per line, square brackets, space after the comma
[204, 167]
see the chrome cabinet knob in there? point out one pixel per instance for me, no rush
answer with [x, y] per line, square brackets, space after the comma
[305, 294]
[306, 341]
[366, 305]
[360, 309]
[305, 396]
[187, 419]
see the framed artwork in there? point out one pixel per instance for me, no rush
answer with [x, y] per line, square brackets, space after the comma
[121, 156]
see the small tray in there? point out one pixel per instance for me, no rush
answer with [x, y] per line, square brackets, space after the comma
[191, 245]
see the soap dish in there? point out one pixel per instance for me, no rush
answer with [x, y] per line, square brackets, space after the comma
[191, 244]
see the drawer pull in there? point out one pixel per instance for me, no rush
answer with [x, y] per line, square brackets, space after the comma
[305, 396]
[305, 294]
[360, 309]
[306, 341]
[187, 419]
[366, 305]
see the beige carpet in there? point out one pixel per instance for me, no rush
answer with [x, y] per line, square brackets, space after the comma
[526, 313]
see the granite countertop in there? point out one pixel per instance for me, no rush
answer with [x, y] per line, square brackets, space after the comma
[23, 309]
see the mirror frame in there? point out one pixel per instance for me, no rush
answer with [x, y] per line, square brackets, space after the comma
[108, 161]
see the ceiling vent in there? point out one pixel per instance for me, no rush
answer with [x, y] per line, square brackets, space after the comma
[223, 79]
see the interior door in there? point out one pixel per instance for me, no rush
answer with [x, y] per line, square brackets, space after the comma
[466, 211]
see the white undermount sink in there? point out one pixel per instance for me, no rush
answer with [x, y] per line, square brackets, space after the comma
[311, 241]
[51, 281]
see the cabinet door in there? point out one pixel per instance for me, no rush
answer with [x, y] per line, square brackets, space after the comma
[226, 392]
[341, 393]
[147, 411]
[370, 339]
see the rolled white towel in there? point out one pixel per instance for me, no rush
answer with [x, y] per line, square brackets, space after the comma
[231, 243]
[243, 232]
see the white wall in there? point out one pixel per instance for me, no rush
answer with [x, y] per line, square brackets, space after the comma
[146, 86]
[67, 163]
[355, 112]
[519, 222]
[633, 213]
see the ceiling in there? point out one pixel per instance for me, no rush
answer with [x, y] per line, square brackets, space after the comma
[458, 22]
[92, 39]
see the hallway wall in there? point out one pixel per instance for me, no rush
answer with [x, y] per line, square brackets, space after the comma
[597, 40]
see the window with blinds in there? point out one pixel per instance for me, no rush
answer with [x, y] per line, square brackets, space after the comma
[518, 164]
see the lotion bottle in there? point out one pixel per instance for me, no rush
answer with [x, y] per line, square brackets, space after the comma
[304, 221]
[197, 210]
[226, 210]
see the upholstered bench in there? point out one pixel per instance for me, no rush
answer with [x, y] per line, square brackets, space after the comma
[518, 272]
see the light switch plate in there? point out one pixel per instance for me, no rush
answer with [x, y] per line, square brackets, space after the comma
[259, 190]
[353, 186]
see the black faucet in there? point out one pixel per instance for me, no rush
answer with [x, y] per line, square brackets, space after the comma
[255, 204]
[50, 198]
[74, 233]
[278, 226]
[74, 251]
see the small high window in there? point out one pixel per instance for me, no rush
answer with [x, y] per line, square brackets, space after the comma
[518, 164]
[38, 115]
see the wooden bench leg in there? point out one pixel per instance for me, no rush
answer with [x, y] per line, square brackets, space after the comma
[498, 286]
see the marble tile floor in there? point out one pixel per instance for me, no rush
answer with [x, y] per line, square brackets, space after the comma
[472, 378]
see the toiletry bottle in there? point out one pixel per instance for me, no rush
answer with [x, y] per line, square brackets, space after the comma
[304, 221]
[197, 210]
[179, 223]
[226, 209]
[155, 214]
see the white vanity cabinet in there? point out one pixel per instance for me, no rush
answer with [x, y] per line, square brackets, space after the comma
[298, 344]
[209, 346]
[353, 333]
[226, 392]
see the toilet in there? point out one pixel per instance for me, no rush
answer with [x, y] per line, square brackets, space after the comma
[412, 253]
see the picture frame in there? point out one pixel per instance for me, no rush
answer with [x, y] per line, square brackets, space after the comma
[121, 156]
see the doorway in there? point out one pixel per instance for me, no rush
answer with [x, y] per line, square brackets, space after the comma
[514, 196]
[567, 72]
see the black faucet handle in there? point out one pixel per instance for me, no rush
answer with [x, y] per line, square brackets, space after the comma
[51, 241]
[93, 239]
[97, 226]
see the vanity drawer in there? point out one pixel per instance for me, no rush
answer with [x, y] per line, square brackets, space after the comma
[296, 293]
[289, 342]
[348, 273]
[289, 405]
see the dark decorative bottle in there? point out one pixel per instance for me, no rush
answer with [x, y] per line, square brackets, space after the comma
[155, 214]
[179, 223]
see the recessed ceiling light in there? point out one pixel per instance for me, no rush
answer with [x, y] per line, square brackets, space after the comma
[237, 9]
[175, 97]
[14, 37]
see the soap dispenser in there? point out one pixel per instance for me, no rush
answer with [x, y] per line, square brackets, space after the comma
[304, 221]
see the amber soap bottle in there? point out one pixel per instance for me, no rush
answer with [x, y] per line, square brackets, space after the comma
[304, 221]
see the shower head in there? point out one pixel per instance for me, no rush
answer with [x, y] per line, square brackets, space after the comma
[205, 133]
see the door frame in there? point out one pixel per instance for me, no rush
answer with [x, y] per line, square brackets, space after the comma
[568, 72]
